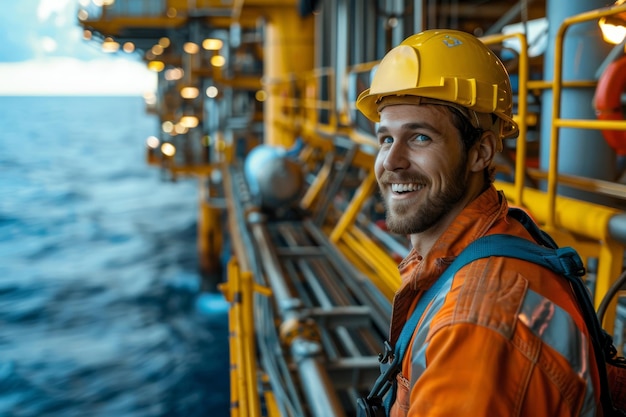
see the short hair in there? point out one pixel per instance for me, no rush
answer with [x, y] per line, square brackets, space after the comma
[469, 137]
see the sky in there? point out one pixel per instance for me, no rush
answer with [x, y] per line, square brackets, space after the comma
[42, 52]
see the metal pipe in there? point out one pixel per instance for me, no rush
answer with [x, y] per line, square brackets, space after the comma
[323, 403]
[317, 386]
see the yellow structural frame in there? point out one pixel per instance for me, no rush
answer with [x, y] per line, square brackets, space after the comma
[580, 224]
[239, 291]
[293, 109]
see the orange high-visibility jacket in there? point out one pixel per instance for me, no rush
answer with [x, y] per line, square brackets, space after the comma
[505, 339]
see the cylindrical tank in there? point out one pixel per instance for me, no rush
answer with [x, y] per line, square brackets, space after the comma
[274, 178]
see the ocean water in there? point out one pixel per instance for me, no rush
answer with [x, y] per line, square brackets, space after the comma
[101, 311]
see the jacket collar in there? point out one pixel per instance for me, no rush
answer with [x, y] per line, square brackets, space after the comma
[420, 272]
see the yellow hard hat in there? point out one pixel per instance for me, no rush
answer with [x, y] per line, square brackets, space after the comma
[445, 65]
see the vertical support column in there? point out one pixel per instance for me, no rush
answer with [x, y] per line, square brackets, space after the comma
[289, 49]
[209, 234]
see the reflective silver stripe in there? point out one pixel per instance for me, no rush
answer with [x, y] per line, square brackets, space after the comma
[553, 325]
[556, 328]
[418, 357]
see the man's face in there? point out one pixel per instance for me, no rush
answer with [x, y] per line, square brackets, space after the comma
[420, 167]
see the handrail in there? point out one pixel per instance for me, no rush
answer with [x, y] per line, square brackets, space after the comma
[557, 121]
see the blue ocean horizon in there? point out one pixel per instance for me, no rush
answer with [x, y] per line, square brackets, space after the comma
[101, 307]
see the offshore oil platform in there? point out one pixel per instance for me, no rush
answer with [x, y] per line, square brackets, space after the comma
[256, 100]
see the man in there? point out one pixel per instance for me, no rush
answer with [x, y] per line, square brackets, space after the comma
[508, 339]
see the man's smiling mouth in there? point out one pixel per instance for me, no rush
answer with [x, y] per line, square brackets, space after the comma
[406, 188]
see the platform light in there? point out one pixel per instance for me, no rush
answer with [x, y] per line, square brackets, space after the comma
[191, 48]
[87, 34]
[108, 2]
[84, 3]
[180, 128]
[168, 149]
[211, 92]
[212, 44]
[174, 74]
[189, 121]
[153, 142]
[128, 47]
[157, 49]
[189, 92]
[83, 15]
[156, 66]
[164, 42]
[171, 12]
[613, 29]
[218, 61]
[109, 45]
[167, 126]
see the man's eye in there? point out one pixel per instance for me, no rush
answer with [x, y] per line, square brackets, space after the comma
[385, 140]
[422, 138]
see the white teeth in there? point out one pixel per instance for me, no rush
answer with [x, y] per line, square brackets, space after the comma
[403, 188]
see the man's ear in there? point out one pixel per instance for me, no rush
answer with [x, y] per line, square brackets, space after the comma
[483, 152]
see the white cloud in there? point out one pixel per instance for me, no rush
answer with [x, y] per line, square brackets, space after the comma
[47, 56]
[61, 8]
[70, 76]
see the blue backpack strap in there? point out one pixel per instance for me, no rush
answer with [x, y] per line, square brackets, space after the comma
[545, 252]
[567, 263]
[562, 261]
[539, 235]
[393, 368]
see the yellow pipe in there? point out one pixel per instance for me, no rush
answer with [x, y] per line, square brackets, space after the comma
[359, 263]
[316, 186]
[360, 196]
[385, 270]
[580, 217]
[584, 219]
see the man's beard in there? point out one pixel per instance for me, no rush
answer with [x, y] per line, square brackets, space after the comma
[404, 219]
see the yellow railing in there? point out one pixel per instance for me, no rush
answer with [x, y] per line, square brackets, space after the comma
[581, 224]
[239, 291]
[609, 252]
[562, 217]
